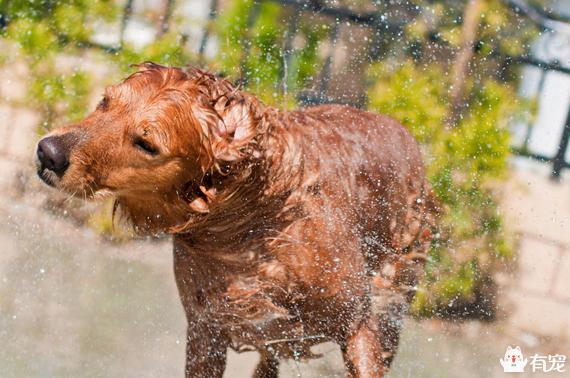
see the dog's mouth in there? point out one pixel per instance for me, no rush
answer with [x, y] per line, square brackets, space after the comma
[53, 180]
[47, 176]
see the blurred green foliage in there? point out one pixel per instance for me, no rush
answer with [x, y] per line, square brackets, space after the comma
[168, 50]
[106, 225]
[44, 31]
[500, 29]
[264, 40]
[49, 91]
[463, 163]
[48, 33]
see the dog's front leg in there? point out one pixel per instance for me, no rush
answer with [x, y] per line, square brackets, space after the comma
[206, 351]
[362, 351]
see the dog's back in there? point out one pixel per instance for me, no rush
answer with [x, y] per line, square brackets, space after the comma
[369, 170]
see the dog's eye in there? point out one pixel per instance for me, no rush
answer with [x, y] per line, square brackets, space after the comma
[145, 146]
[103, 104]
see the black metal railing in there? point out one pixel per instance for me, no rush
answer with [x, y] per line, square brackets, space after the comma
[558, 161]
[546, 23]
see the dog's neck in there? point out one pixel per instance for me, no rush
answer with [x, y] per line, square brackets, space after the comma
[252, 201]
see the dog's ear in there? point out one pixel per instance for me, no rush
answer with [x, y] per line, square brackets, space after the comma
[236, 117]
[238, 122]
[230, 119]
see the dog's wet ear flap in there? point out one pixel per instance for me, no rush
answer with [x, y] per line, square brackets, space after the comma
[238, 121]
[236, 129]
[229, 119]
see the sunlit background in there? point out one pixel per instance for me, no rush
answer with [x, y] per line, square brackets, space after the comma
[484, 86]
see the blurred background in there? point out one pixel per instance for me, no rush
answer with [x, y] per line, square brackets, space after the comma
[484, 85]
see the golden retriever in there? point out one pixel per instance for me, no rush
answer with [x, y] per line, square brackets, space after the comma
[290, 228]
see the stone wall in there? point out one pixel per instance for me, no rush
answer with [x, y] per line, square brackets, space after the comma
[537, 293]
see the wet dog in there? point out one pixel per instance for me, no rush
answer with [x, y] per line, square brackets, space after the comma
[290, 228]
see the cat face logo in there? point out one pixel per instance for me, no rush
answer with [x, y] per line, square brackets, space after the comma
[513, 361]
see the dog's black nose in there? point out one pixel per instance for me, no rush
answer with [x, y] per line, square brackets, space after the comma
[53, 155]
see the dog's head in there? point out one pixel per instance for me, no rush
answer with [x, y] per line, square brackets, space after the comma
[151, 136]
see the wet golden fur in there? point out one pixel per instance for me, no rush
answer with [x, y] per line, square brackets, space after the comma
[290, 228]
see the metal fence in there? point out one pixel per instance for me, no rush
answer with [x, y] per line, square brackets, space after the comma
[558, 161]
[546, 23]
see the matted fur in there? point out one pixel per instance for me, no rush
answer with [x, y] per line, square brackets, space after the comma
[290, 228]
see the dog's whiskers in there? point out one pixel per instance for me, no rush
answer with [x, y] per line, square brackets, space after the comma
[70, 197]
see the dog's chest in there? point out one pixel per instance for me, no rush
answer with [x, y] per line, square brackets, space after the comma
[231, 288]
